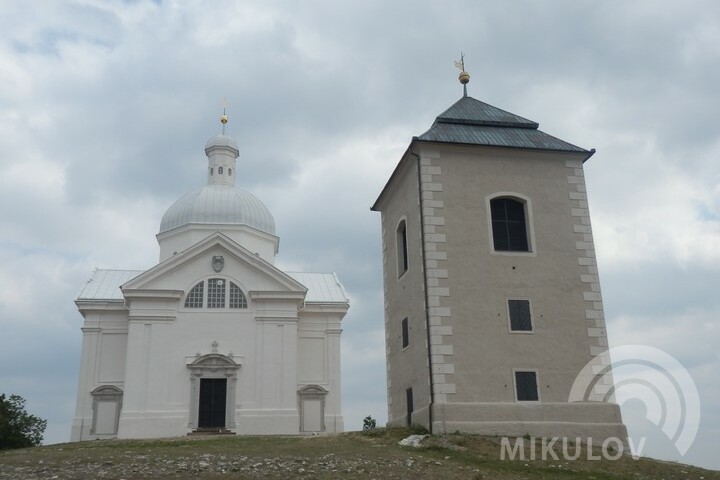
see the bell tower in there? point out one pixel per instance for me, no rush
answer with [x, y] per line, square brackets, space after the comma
[492, 295]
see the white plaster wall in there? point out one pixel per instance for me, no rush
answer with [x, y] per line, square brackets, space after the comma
[104, 325]
[179, 239]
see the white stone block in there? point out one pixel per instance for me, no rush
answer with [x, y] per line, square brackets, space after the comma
[592, 296]
[439, 291]
[444, 388]
[581, 229]
[434, 220]
[596, 332]
[440, 311]
[442, 350]
[430, 170]
[437, 273]
[444, 330]
[594, 351]
[447, 368]
[435, 237]
[431, 186]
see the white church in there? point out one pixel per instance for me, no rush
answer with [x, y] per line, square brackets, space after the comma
[215, 337]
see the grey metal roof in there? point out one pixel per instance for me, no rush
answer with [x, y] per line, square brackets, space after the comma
[105, 284]
[322, 287]
[219, 204]
[470, 121]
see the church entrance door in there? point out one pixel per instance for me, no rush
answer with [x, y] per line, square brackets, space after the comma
[213, 395]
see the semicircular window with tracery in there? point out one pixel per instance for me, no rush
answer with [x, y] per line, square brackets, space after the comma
[216, 293]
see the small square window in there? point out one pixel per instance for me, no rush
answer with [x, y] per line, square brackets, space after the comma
[526, 386]
[405, 333]
[519, 311]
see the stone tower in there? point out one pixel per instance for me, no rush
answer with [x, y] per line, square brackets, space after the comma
[492, 296]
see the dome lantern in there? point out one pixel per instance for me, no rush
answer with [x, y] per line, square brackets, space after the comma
[219, 202]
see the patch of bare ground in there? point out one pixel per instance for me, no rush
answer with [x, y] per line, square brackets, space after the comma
[373, 455]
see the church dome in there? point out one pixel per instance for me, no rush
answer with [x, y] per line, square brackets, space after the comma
[219, 204]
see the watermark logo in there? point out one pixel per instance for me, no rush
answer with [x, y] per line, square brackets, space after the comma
[554, 448]
[651, 376]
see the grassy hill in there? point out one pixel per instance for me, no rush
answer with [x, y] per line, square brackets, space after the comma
[348, 456]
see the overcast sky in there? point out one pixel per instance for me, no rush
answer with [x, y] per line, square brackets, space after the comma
[105, 107]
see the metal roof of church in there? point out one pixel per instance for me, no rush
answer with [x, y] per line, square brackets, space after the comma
[322, 287]
[105, 285]
[470, 121]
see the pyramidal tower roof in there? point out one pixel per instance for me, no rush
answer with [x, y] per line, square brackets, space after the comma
[470, 121]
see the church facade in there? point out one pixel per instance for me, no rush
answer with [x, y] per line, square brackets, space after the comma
[215, 337]
[492, 296]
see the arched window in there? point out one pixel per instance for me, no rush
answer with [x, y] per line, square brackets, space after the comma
[509, 227]
[211, 170]
[229, 172]
[220, 170]
[237, 297]
[194, 298]
[216, 293]
[402, 247]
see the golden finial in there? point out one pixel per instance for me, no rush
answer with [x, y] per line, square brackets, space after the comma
[464, 77]
[224, 117]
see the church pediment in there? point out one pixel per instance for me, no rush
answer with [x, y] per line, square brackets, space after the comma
[215, 256]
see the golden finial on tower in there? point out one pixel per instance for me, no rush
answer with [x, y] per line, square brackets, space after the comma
[464, 77]
[224, 117]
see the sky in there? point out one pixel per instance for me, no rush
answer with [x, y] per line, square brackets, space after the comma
[105, 107]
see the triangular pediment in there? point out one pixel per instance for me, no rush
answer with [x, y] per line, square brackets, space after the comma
[180, 270]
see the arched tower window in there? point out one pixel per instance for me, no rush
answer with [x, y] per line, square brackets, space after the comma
[194, 298]
[509, 226]
[237, 297]
[402, 247]
[220, 170]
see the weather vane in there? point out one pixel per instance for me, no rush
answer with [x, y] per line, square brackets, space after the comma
[464, 77]
[224, 117]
